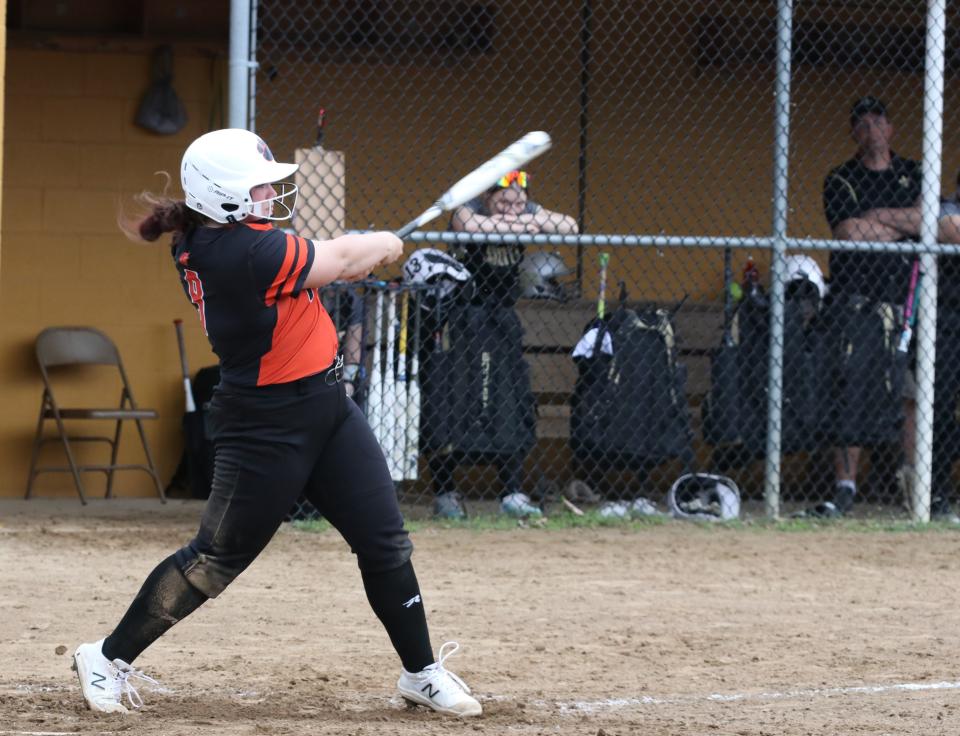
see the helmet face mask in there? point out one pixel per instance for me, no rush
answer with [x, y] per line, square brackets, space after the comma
[219, 169]
[285, 199]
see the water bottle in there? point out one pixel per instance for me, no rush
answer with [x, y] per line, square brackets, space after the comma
[752, 290]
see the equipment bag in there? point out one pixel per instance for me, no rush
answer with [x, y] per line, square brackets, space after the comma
[629, 400]
[161, 111]
[194, 472]
[475, 388]
[721, 405]
[735, 409]
[867, 372]
[806, 385]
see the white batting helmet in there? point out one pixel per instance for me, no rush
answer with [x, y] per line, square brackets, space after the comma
[704, 496]
[219, 169]
[804, 268]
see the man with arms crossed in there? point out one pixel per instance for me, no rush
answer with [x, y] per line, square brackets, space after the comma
[872, 197]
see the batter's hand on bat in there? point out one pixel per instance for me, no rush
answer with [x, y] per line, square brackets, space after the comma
[393, 246]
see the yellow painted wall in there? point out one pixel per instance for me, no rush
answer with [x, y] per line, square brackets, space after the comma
[3, 69]
[71, 155]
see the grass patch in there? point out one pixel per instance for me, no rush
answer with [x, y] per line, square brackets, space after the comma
[313, 526]
[562, 520]
[592, 520]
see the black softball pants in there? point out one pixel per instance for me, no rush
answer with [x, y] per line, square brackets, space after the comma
[274, 442]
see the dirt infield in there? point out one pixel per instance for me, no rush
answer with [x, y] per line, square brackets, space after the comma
[656, 630]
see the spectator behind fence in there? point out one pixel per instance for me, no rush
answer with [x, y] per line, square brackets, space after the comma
[491, 402]
[872, 197]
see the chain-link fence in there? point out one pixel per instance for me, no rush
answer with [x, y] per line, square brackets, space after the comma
[661, 293]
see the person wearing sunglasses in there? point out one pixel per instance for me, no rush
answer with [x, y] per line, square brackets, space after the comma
[491, 395]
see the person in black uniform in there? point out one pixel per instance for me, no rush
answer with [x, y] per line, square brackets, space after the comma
[282, 422]
[872, 197]
[489, 317]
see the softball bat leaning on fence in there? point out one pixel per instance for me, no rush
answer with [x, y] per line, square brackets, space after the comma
[375, 411]
[392, 449]
[483, 177]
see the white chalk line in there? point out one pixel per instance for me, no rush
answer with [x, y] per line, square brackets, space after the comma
[49, 733]
[592, 706]
[571, 707]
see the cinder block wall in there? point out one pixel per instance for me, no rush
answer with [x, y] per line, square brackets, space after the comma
[71, 156]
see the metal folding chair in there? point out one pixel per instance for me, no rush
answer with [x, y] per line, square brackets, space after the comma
[70, 349]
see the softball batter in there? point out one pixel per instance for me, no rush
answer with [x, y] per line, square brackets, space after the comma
[282, 422]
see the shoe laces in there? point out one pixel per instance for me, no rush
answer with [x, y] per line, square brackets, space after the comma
[436, 672]
[121, 685]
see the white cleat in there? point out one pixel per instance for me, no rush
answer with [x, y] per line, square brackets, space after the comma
[105, 683]
[438, 688]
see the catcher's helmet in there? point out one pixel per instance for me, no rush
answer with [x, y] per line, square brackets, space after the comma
[704, 496]
[219, 169]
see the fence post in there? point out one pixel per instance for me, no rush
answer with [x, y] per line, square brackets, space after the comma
[930, 196]
[240, 92]
[771, 470]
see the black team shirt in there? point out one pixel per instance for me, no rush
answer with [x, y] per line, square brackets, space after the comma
[850, 190]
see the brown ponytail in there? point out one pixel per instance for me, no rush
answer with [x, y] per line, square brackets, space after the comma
[163, 215]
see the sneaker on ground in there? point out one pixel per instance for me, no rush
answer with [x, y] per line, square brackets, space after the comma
[518, 505]
[104, 683]
[843, 499]
[940, 511]
[436, 687]
[825, 510]
[614, 510]
[449, 506]
[644, 507]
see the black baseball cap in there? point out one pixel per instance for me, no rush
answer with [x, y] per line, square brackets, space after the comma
[865, 106]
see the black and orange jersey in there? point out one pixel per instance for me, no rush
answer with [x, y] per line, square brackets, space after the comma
[246, 282]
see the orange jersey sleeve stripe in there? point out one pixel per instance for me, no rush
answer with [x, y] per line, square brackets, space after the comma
[291, 283]
[283, 274]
